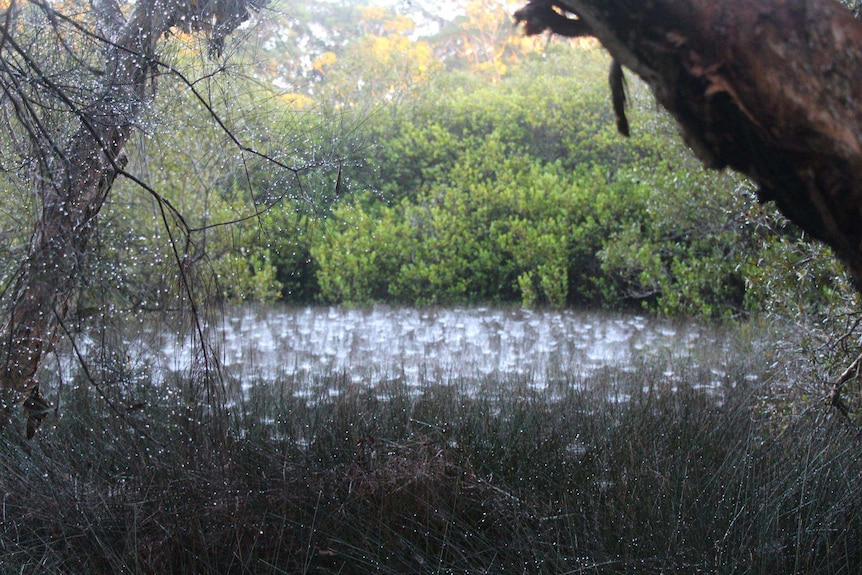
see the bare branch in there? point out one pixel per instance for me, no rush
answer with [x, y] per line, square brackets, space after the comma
[77, 135]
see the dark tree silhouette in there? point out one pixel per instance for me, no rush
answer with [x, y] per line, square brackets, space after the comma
[769, 88]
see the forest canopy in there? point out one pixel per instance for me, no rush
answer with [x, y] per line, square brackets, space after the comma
[494, 173]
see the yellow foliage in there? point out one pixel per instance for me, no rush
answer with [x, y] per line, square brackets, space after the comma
[494, 68]
[400, 25]
[324, 60]
[372, 13]
[489, 40]
[299, 101]
[186, 44]
[385, 48]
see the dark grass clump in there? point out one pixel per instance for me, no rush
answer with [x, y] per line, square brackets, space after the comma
[655, 470]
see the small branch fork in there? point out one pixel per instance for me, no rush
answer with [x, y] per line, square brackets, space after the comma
[835, 400]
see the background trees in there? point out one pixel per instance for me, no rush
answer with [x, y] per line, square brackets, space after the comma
[508, 178]
[459, 183]
[468, 189]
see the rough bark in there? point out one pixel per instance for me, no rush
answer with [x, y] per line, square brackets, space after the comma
[769, 88]
[74, 176]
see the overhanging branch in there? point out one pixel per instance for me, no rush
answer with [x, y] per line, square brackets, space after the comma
[768, 88]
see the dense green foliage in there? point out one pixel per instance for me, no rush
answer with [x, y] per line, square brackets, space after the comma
[522, 191]
[411, 170]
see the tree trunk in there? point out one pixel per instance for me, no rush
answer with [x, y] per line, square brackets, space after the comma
[770, 88]
[72, 186]
[76, 175]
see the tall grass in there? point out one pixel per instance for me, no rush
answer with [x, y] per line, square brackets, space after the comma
[671, 467]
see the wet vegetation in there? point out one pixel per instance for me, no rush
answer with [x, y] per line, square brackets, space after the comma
[435, 170]
[627, 470]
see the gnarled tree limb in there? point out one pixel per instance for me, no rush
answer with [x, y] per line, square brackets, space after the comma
[770, 88]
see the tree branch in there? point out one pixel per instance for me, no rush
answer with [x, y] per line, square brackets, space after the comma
[768, 88]
[77, 170]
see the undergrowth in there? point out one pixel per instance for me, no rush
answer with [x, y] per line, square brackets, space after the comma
[658, 469]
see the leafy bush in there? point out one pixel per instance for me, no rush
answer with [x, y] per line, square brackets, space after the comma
[690, 251]
[465, 191]
[523, 192]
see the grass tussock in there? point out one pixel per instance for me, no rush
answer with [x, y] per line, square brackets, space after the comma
[629, 471]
